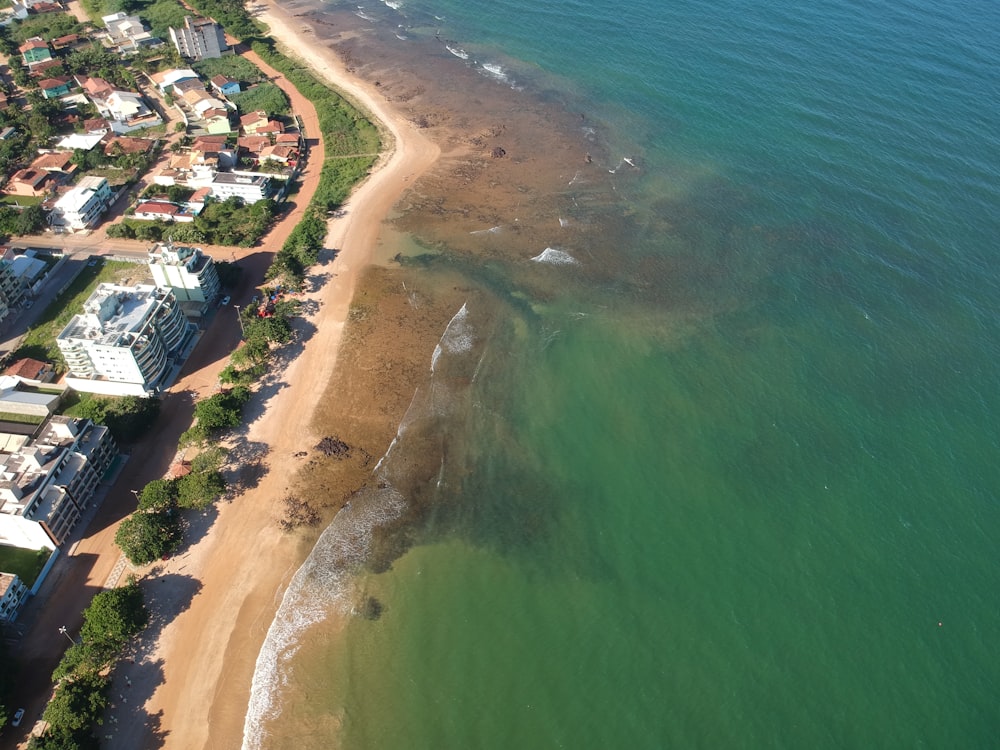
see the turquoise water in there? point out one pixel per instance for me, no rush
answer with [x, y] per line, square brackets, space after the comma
[756, 506]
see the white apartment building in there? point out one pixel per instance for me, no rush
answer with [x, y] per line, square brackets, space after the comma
[199, 39]
[125, 341]
[250, 187]
[82, 206]
[186, 271]
[52, 479]
[13, 594]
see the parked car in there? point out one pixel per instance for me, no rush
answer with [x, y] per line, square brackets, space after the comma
[18, 715]
[225, 301]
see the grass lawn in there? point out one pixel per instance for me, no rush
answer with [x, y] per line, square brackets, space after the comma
[25, 563]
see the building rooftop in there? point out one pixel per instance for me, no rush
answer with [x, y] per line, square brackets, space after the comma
[113, 314]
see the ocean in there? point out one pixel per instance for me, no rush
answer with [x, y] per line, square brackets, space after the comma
[733, 479]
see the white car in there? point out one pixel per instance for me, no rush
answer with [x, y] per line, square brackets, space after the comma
[225, 301]
[18, 715]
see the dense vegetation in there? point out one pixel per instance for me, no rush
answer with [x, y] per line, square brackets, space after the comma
[264, 96]
[229, 222]
[232, 66]
[128, 417]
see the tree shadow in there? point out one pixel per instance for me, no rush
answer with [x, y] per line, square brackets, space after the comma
[138, 674]
[246, 465]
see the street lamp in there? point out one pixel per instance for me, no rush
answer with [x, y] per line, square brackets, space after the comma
[65, 632]
[136, 493]
[239, 317]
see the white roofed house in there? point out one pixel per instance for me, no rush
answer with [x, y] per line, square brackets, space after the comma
[128, 33]
[126, 340]
[165, 80]
[250, 187]
[81, 207]
[125, 111]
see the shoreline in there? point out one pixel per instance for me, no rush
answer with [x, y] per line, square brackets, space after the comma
[192, 682]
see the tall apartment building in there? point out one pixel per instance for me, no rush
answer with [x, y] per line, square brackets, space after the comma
[187, 271]
[11, 288]
[199, 39]
[52, 479]
[125, 341]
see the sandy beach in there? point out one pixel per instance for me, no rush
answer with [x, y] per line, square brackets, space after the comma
[189, 682]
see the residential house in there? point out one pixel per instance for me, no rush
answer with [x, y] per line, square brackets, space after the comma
[124, 144]
[225, 85]
[165, 80]
[128, 33]
[96, 126]
[271, 127]
[253, 120]
[287, 139]
[28, 182]
[199, 39]
[199, 100]
[53, 88]
[55, 162]
[124, 110]
[216, 121]
[70, 42]
[155, 210]
[281, 154]
[34, 51]
[253, 144]
[196, 203]
[81, 207]
[125, 341]
[75, 141]
[32, 369]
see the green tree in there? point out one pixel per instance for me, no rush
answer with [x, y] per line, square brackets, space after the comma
[30, 220]
[115, 615]
[78, 703]
[147, 536]
[200, 489]
[160, 494]
[221, 410]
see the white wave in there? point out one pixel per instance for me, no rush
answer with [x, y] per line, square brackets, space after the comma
[491, 230]
[625, 160]
[393, 4]
[401, 38]
[458, 336]
[365, 16]
[497, 72]
[563, 222]
[320, 587]
[555, 257]
[457, 52]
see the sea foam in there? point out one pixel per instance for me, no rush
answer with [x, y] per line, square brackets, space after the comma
[320, 587]
[555, 257]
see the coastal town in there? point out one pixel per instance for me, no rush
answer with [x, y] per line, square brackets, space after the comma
[115, 133]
